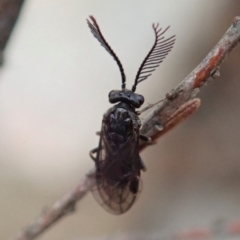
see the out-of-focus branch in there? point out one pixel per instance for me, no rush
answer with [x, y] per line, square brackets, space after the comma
[64, 206]
[219, 230]
[178, 105]
[9, 12]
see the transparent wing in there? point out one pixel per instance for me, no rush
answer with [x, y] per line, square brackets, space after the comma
[117, 184]
[116, 199]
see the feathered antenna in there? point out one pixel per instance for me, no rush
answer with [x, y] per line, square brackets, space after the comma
[98, 35]
[158, 52]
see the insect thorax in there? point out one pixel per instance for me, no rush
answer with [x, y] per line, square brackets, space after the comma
[120, 123]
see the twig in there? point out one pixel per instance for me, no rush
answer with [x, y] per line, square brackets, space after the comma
[183, 112]
[64, 206]
[177, 106]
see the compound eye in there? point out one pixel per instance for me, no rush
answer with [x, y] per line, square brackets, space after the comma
[110, 94]
[113, 96]
[140, 99]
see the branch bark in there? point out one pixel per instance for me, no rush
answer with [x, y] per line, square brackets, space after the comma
[178, 105]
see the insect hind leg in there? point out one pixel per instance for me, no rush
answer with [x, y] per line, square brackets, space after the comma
[145, 138]
[142, 165]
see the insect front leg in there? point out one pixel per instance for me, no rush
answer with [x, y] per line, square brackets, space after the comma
[98, 133]
[95, 150]
[92, 152]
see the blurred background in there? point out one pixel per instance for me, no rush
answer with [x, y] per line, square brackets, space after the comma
[54, 90]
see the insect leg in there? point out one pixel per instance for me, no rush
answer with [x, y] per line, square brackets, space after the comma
[92, 152]
[134, 185]
[142, 165]
[98, 133]
[145, 138]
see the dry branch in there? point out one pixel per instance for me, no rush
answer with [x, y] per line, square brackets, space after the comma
[177, 106]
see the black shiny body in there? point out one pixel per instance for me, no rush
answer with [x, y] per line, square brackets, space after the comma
[118, 164]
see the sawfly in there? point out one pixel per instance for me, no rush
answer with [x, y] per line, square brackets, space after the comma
[118, 163]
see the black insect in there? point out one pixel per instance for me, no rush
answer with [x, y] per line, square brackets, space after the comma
[118, 164]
